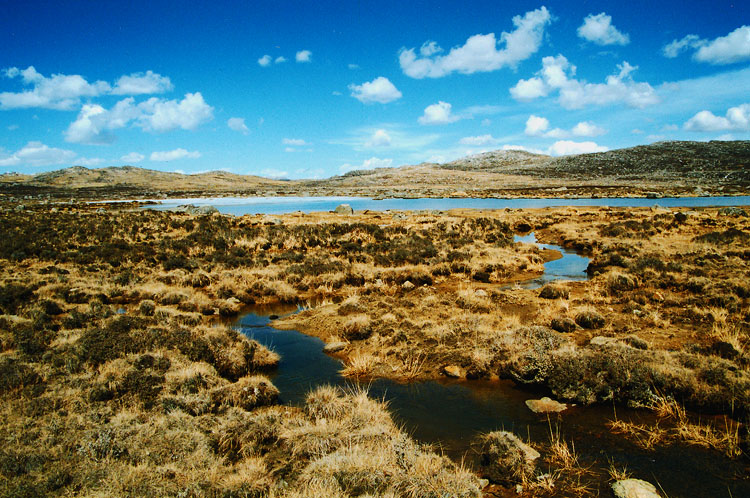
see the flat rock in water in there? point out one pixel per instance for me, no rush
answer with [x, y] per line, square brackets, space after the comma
[333, 347]
[634, 488]
[452, 371]
[545, 405]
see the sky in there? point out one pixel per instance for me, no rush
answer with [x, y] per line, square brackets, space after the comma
[312, 89]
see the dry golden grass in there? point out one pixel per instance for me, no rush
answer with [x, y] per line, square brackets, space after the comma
[359, 365]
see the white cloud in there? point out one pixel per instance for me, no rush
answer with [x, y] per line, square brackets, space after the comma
[587, 129]
[480, 53]
[734, 47]
[280, 59]
[133, 158]
[568, 147]
[557, 75]
[238, 124]
[486, 122]
[380, 138]
[674, 48]
[172, 155]
[479, 141]
[274, 174]
[371, 163]
[92, 161]
[297, 142]
[265, 61]
[142, 83]
[378, 90]
[536, 125]
[60, 91]
[37, 154]
[439, 113]
[12, 127]
[94, 123]
[736, 119]
[353, 66]
[303, 56]
[530, 89]
[599, 29]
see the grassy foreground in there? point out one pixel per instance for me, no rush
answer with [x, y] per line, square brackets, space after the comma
[117, 377]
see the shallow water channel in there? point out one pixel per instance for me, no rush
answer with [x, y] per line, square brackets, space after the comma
[451, 413]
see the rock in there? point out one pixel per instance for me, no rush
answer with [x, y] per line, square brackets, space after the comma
[407, 286]
[334, 347]
[269, 220]
[564, 324]
[480, 293]
[452, 371]
[399, 216]
[545, 405]
[504, 458]
[19, 208]
[344, 209]
[590, 320]
[553, 292]
[634, 488]
[733, 211]
[653, 195]
[602, 341]
[483, 483]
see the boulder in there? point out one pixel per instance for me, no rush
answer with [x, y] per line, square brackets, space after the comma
[545, 405]
[344, 209]
[334, 347]
[453, 371]
[563, 324]
[602, 341]
[553, 292]
[480, 293]
[590, 320]
[634, 488]
[733, 211]
[504, 458]
[407, 286]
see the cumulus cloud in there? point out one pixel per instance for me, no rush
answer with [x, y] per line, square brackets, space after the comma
[37, 154]
[587, 129]
[371, 163]
[303, 56]
[480, 53]
[89, 161]
[557, 75]
[296, 142]
[568, 147]
[65, 91]
[536, 125]
[479, 141]
[736, 119]
[598, 29]
[173, 155]
[265, 61]
[60, 91]
[142, 84]
[439, 113]
[95, 124]
[133, 158]
[380, 138]
[378, 90]
[238, 124]
[734, 47]
[280, 59]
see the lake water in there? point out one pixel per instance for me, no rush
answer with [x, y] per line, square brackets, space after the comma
[281, 205]
[450, 414]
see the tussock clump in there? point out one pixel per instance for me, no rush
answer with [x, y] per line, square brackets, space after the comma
[247, 393]
[620, 282]
[357, 327]
[550, 291]
[504, 458]
[590, 319]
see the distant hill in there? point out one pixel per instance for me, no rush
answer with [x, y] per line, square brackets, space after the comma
[663, 168]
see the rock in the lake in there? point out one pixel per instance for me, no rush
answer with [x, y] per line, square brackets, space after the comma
[504, 458]
[545, 405]
[453, 371]
[344, 209]
[634, 488]
[563, 324]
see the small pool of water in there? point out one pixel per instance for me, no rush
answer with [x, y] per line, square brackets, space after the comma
[450, 414]
[571, 266]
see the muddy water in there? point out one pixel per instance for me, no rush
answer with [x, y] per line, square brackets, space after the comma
[450, 414]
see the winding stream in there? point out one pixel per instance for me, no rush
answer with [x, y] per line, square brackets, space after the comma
[451, 413]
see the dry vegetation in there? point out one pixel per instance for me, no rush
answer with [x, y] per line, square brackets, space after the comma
[117, 377]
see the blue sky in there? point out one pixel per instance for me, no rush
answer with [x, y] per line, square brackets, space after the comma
[314, 89]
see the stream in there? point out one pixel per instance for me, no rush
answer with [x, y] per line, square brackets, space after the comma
[449, 414]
